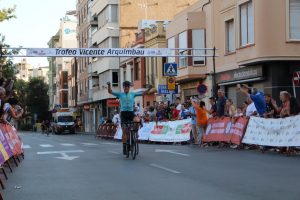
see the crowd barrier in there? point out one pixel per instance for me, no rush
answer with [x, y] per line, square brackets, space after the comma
[225, 129]
[106, 131]
[10, 147]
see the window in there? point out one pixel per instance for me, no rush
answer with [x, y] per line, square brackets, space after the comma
[137, 70]
[246, 24]
[124, 75]
[198, 43]
[230, 36]
[108, 14]
[114, 13]
[115, 79]
[182, 49]
[131, 74]
[294, 17]
[171, 45]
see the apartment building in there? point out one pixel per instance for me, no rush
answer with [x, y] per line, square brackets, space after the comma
[257, 44]
[23, 67]
[65, 38]
[53, 43]
[39, 72]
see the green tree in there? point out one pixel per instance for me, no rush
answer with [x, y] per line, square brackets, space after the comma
[7, 13]
[37, 99]
[20, 87]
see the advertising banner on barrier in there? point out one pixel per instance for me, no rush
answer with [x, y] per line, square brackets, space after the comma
[5, 147]
[14, 141]
[171, 131]
[282, 132]
[225, 130]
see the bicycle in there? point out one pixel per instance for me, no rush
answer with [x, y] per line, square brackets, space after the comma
[132, 144]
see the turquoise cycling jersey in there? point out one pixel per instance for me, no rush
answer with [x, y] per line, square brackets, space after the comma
[126, 99]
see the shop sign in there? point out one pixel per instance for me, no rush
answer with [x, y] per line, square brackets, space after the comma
[171, 82]
[240, 74]
[113, 103]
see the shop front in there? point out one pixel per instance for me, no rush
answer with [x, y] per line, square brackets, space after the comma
[253, 76]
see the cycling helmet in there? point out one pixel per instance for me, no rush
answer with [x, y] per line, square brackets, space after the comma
[126, 84]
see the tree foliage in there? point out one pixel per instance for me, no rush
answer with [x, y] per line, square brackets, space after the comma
[7, 13]
[37, 99]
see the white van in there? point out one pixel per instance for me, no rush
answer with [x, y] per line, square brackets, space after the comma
[63, 121]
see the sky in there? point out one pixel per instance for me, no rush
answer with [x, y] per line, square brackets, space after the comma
[37, 21]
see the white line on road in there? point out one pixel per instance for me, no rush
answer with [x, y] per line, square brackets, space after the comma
[109, 143]
[53, 152]
[165, 168]
[114, 152]
[46, 145]
[89, 144]
[67, 144]
[25, 146]
[171, 151]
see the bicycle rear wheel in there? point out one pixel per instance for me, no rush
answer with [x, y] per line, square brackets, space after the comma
[133, 147]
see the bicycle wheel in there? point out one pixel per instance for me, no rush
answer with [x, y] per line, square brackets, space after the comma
[133, 146]
[137, 146]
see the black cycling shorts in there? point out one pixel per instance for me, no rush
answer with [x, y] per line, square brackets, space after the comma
[127, 116]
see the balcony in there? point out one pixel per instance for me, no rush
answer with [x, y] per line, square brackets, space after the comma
[190, 73]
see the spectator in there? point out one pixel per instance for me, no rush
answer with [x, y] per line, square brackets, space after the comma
[175, 112]
[239, 112]
[192, 114]
[244, 107]
[116, 118]
[270, 110]
[284, 110]
[213, 109]
[221, 103]
[251, 109]
[9, 111]
[160, 114]
[184, 111]
[152, 114]
[257, 98]
[178, 103]
[201, 119]
[229, 108]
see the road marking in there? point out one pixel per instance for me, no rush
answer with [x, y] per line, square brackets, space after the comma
[109, 143]
[67, 144]
[54, 152]
[171, 151]
[67, 157]
[114, 152]
[165, 168]
[89, 144]
[46, 145]
[25, 146]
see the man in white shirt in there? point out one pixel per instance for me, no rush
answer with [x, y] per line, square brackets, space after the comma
[251, 109]
[116, 118]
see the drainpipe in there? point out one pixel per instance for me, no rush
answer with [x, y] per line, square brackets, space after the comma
[209, 1]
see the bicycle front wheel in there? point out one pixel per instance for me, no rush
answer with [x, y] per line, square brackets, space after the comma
[133, 146]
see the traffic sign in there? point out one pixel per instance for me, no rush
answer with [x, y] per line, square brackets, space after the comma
[171, 83]
[202, 89]
[163, 89]
[296, 78]
[170, 69]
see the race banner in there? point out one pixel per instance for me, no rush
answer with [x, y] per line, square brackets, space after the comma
[97, 52]
[171, 131]
[11, 135]
[225, 129]
[282, 132]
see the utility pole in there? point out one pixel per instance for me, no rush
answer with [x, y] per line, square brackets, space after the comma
[214, 88]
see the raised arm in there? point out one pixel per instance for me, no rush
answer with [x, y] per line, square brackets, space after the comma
[146, 91]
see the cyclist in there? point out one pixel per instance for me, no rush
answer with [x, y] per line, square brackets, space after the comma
[126, 106]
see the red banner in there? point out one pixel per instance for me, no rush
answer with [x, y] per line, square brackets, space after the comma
[113, 103]
[225, 129]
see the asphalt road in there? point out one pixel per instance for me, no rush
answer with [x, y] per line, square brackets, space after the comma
[75, 167]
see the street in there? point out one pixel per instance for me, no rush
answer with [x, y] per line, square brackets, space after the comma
[74, 167]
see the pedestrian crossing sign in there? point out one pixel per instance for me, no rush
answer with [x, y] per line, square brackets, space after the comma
[170, 69]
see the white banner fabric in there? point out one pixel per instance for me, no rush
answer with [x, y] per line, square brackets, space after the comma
[171, 131]
[282, 132]
[96, 52]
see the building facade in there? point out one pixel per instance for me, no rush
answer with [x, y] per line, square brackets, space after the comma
[23, 68]
[255, 45]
